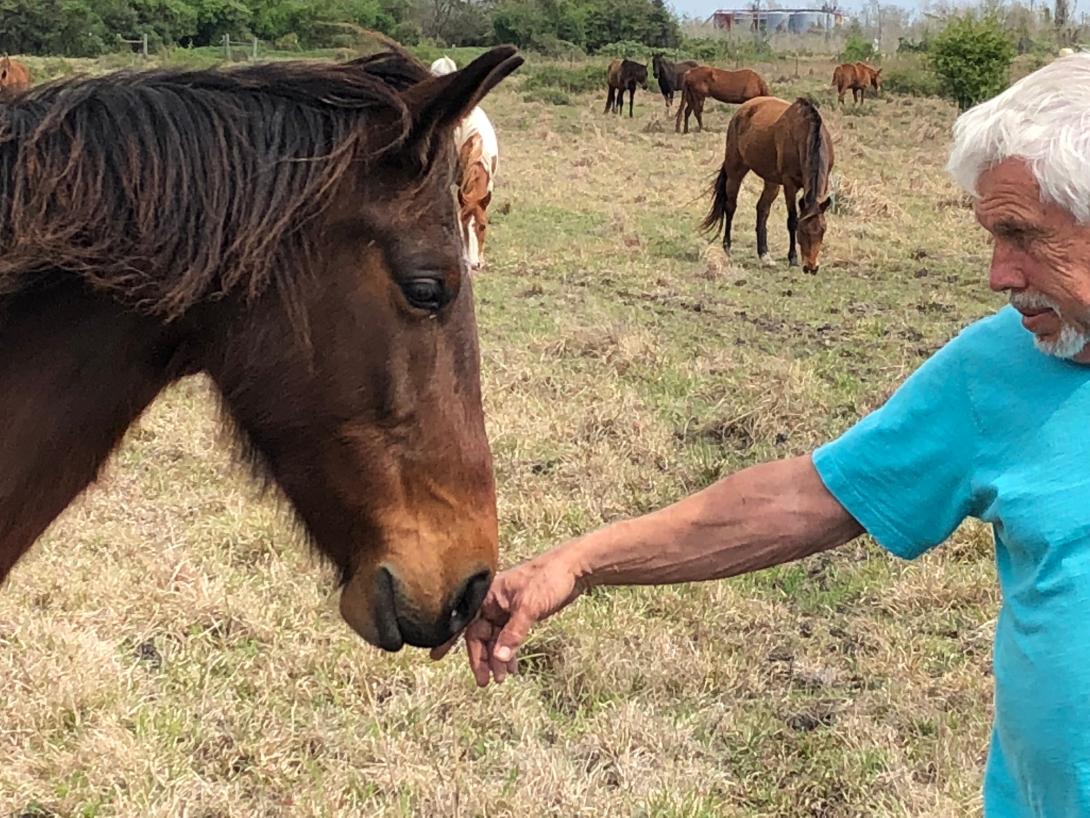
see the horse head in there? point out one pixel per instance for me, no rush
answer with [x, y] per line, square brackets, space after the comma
[811, 230]
[309, 263]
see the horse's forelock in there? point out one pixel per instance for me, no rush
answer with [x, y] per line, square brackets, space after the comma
[211, 187]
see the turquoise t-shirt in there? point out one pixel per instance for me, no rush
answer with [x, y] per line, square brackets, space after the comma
[991, 428]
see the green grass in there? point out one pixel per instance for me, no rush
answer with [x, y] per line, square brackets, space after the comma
[169, 648]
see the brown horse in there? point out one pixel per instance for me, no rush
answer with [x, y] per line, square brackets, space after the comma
[621, 76]
[697, 84]
[857, 76]
[289, 231]
[669, 75]
[785, 144]
[14, 76]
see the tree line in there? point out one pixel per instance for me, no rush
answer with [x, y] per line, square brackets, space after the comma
[86, 28]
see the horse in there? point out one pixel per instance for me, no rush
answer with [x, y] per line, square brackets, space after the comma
[287, 230]
[669, 75]
[621, 76]
[14, 76]
[697, 84]
[785, 144]
[444, 65]
[478, 161]
[857, 76]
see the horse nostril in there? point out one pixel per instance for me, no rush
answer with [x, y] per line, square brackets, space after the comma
[469, 599]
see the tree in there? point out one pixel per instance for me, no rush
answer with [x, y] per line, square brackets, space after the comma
[972, 57]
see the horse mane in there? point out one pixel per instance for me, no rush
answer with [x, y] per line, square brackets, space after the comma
[817, 152]
[167, 188]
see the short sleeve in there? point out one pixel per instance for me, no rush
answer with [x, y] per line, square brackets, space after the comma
[905, 472]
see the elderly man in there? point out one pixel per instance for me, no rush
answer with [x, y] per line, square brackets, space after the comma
[993, 426]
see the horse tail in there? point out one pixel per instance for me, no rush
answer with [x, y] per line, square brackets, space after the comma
[765, 91]
[837, 74]
[713, 222]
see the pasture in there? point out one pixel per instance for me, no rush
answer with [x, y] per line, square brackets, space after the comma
[171, 649]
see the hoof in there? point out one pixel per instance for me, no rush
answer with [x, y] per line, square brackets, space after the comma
[767, 261]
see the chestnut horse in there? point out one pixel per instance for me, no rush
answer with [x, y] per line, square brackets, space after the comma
[621, 76]
[478, 161]
[697, 84]
[857, 76]
[14, 76]
[288, 230]
[669, 75]
[785, 144]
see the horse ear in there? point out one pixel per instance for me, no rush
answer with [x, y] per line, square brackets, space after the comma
[825, 204]
[438, 103]
[486, 200]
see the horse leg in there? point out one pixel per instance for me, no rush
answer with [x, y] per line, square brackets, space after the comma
[609, 102]
[631, 100]
[698, 110]
[764, 206]
[735, 175]
[790, 192]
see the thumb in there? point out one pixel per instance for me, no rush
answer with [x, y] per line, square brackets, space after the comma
[514, 633]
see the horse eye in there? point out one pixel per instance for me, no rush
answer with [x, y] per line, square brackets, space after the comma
[425, 293]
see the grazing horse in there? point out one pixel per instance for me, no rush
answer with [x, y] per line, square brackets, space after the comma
[478, 161]
[857, 76]
[669, 75]
[785, 144]
[697, 84]
[621, 76]
[286, 229]
[14, 76]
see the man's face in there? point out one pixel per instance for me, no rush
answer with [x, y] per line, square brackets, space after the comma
[1041, 256]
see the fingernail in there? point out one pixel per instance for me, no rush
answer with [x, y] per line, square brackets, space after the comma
[503, 654]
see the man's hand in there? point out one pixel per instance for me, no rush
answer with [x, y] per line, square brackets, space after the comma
[518, 599]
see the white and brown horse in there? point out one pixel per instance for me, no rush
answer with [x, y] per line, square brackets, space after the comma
[478, 160]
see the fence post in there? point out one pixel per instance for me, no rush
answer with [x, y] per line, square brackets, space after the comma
[227, 47]
[255, 49]
[145, 45]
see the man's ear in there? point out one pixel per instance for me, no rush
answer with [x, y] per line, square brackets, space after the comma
[439, 103]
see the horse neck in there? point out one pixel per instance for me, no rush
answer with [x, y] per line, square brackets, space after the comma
[75, 371]
[813, 157]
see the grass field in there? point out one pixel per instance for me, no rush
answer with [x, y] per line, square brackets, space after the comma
[169, 648]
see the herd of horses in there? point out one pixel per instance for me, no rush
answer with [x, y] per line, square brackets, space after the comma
[302, 234]
[786, 144]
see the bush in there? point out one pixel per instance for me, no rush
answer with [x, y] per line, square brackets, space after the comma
[289, 42]
[857, 49]
[551, 96]
[972, 57]
[627, 48]
[722, 50]
[911, 76]
[571, 80]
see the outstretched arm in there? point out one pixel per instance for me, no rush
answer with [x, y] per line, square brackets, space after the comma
[759, 517]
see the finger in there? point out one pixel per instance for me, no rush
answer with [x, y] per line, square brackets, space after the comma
[478, 635]
[499, 669]
[512, 636]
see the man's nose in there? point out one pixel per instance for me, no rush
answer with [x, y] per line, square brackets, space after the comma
[1005, 272]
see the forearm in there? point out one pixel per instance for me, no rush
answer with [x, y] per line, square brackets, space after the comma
[762, 516]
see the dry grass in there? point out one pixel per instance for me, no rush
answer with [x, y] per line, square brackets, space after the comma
[168, 649]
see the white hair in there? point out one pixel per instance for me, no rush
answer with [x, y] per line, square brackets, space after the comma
[1043, 118]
